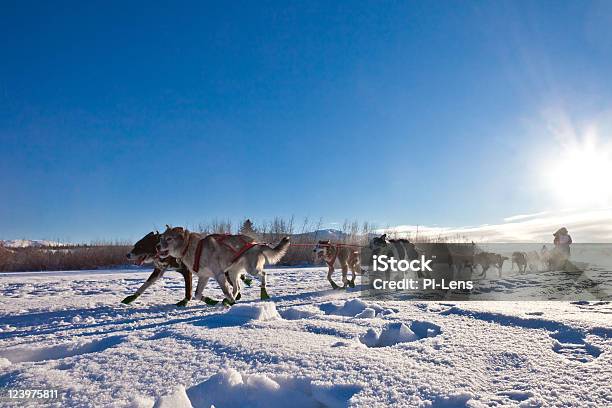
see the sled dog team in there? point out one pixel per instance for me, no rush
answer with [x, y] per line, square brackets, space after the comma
[230, 258]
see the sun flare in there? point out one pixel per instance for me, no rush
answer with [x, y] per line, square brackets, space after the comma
[580, 174]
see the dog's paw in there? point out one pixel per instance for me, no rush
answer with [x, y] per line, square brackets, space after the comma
[238, 296]
[210, 301]
[351, 283]
[182, 303]
[129, 299]
[264, 294]
[228, 303]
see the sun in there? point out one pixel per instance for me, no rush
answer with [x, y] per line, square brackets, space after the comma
[580, 175]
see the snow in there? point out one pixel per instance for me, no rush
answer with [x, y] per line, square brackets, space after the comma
[177, 399]
[355, 308]
[394, 333]
[309, 346]
[230, 388]
[259, 311]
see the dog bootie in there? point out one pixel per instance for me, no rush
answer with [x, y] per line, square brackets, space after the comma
[264, 294]
[210, 301]
[129, 299]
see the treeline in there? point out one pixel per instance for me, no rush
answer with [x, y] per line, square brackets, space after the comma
[304, 234]
[73, 257]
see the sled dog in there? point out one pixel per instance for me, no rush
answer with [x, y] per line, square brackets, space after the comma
[400, 249]
[520, 259]
[457, 256]
[223, 257]
[145, 252]
[488, 259]
[348, 256]
[397, 248]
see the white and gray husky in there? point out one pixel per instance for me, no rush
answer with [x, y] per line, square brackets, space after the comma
[223, 257]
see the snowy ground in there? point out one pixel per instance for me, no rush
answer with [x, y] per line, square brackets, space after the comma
[309, 347]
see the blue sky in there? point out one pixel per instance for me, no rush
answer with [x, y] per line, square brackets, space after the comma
[117, 118]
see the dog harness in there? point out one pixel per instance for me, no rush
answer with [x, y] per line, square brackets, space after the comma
[337, 246]
[221, 238]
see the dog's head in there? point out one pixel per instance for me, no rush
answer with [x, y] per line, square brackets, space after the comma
[377, 244]
[172, 242]
[145, 250]
[321, 250]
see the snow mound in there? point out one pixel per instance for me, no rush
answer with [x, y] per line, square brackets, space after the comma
[299, 312]
[230, 388]
[355, 308]
[367, 313]
[395, 333]
[241, 314]
[259, 311]
[4, 362]
[178, 399]
[139, 401]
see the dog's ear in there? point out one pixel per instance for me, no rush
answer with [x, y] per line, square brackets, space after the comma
[168, 227]
[156, 232]
[383, 236]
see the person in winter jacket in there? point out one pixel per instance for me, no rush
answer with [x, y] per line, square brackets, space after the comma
[562, 241]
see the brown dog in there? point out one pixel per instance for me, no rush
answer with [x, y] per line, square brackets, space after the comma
[347, 255]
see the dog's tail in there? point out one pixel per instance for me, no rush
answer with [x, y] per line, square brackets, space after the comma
[273, 255]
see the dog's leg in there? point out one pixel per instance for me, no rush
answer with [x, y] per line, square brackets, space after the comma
[232, 274]
[226, 288]
[247, 281]
[188, 283]
[157, 273]
[329, 277]
[351, 283]
[202, 281]
[264, 292]
[344, 275]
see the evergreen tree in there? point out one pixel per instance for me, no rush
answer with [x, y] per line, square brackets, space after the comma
[248, 229]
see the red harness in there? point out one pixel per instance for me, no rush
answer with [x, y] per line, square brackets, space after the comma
[221, 238]
[331, 263]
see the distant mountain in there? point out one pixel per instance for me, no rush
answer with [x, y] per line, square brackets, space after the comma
[27, 243]
[323, 235]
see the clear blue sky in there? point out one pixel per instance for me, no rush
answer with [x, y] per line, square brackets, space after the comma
[116, 118]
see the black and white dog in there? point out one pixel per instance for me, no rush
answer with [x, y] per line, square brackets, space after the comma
[145, 251]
